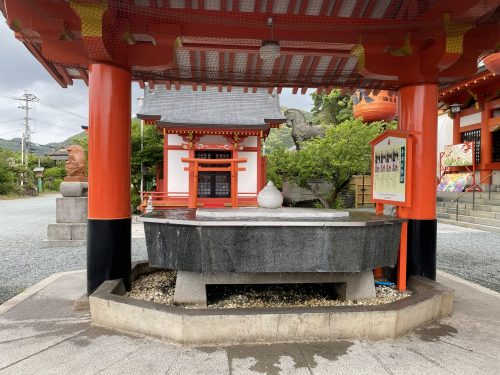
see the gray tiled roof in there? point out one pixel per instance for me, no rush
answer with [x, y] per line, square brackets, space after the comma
[210, 107]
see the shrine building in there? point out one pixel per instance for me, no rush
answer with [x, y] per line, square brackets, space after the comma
[412, 48]
[199, 129]
[474, 116]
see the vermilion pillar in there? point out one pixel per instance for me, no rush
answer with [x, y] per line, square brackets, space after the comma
[456, 129]
[486, 146]
[109, 213]
[418, 115]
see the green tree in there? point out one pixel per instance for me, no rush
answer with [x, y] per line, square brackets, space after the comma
[278, 164]
[52, 177]
[331, 109]
[149, 156]
[342, 153]
[279, 138]
[7, 177]
[82, 140]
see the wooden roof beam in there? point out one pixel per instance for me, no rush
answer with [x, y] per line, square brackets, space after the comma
[324, 8]
[84, 76]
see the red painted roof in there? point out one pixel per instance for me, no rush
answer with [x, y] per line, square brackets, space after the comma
[323, 44]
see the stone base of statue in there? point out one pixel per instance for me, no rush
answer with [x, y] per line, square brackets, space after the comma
[74, 186]
[70, 229]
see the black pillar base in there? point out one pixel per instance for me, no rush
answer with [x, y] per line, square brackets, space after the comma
[108, 251]
[422, 248]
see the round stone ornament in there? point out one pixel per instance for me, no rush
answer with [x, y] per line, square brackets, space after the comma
[270, 197]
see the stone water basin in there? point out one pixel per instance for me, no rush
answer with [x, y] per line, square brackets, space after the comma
[251, 240]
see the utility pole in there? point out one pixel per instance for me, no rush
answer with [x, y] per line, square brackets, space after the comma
[26, 99]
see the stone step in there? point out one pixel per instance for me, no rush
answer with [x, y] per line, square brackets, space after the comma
[67, 232]
[475, 213]
[447, 197]
[469, 206]
[469, 225]
[493, 195]
[469, 219]
[453, 205]
[484, 221]
[468, 199]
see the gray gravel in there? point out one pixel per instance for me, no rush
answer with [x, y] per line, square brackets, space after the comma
[471, 254]
[23, 262]
[467, 253]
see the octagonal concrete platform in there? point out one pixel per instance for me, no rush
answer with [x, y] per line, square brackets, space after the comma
[40, 333]
[110, 308]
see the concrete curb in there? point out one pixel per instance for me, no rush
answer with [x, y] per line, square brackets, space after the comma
[470, 284]
[111, 309]
[32, 290]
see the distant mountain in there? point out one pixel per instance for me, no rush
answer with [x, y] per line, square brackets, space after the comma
[14, 144]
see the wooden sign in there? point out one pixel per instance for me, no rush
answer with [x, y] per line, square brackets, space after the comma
[391, 172]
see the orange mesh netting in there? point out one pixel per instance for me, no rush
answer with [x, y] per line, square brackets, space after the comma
[259, 43]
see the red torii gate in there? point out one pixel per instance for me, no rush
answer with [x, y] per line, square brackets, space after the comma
[406, 45]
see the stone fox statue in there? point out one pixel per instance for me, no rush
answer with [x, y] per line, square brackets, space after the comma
[75, 165]
[301, 130]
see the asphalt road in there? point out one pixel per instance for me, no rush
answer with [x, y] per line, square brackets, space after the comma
[470, 254]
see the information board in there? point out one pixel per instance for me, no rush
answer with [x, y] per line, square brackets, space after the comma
[390, 168]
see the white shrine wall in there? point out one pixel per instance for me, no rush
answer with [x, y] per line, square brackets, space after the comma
[472, 119]
[178, 178]
[247, 180]
[175, 140]
[444, 136]
[250, 141]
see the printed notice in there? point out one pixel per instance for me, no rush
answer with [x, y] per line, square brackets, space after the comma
[389, 169]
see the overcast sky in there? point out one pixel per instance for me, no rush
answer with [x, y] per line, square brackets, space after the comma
[60, 113]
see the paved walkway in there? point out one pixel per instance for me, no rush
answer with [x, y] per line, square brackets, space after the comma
[41, 334]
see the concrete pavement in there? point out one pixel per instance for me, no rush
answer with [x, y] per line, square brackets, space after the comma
[41, 334]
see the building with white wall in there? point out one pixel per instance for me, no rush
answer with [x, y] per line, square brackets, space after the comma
[212, 144]
[477, 100]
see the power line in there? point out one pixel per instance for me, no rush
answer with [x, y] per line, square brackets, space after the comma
[6, 95]
[9, 132]
[6, 121]
[57, 126]
[44, 102]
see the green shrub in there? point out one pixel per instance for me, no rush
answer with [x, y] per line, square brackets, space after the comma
[7, 179]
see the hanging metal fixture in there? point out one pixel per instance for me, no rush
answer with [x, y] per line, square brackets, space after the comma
[270, 49]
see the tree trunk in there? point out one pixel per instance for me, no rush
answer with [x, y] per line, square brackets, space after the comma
[336, 191]
[318, 195]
